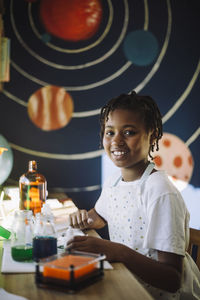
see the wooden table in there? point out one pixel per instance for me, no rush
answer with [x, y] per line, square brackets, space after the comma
[118, 283]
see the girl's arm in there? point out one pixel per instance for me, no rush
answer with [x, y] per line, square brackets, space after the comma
[166, 273]
[84, 219]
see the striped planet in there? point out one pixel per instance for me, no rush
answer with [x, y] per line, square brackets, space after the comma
[50, 108]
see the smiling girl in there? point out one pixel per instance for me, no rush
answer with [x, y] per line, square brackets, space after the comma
[146, 215]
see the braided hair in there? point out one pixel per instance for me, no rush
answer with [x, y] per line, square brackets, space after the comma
[145, 105]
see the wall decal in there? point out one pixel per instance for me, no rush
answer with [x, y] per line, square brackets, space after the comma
[92, 70]
[6, 159]
[141, 47]
[174, 157]
[71, 20]
[50, 108]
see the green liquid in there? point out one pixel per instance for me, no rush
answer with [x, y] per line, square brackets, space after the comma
[22, 253]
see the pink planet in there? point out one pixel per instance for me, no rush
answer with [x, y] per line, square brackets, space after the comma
[174, 157]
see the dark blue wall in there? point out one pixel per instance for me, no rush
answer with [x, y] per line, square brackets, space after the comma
[173, 71]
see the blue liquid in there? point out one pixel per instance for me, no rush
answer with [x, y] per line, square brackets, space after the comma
[44, 246]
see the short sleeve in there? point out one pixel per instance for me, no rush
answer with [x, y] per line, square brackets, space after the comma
[167, 222]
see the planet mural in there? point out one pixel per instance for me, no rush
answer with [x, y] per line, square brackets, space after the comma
[71, 20]
[50, 108]
[2, 149]
[6, 159]
[141, 47]
[174, 157]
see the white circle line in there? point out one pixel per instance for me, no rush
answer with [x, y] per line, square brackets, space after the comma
[86, 65]
[78, 156]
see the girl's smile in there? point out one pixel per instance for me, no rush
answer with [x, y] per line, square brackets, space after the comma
[126, 140]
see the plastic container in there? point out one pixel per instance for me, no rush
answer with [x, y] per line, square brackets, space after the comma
[69, 271]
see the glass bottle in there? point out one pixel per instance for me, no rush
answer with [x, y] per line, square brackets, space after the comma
[22, 234]
[33, 189]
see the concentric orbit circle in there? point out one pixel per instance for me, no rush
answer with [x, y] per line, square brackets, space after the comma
[139, 87]
[85, 65]
[142, 84]
[124, 68]
[72, 88]
[100, 39]
[121, 70]
[94, 112]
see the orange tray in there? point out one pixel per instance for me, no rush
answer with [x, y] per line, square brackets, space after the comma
[70, 271]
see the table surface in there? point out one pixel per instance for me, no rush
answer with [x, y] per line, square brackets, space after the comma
[118, 283]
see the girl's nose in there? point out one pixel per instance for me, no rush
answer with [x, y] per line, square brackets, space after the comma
[117, 140]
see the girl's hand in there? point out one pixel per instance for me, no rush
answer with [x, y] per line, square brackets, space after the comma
[80, 219]
[93, 245]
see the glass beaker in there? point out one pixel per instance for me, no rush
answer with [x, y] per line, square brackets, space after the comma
[21, 239]
[45, 234]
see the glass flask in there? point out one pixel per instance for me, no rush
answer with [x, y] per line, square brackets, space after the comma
[33, 189]
[49, 228]
[38, 224]
[22, 235]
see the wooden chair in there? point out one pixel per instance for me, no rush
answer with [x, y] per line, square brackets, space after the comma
[195, 241]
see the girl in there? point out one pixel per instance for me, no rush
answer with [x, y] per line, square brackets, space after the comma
[146, 215]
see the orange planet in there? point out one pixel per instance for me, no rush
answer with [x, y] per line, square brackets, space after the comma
[50, 108]
[174, 157]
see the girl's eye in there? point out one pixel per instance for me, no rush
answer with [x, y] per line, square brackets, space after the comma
[109, 133]
[129, 132]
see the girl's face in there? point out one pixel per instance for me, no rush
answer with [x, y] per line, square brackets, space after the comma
[125, 139]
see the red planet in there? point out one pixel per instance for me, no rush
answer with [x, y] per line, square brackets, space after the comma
[72, 20]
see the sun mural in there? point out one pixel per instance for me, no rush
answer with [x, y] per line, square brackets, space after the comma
[69, 57]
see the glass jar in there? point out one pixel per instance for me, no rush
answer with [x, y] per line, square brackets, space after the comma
[33, 189]
[22, 235]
